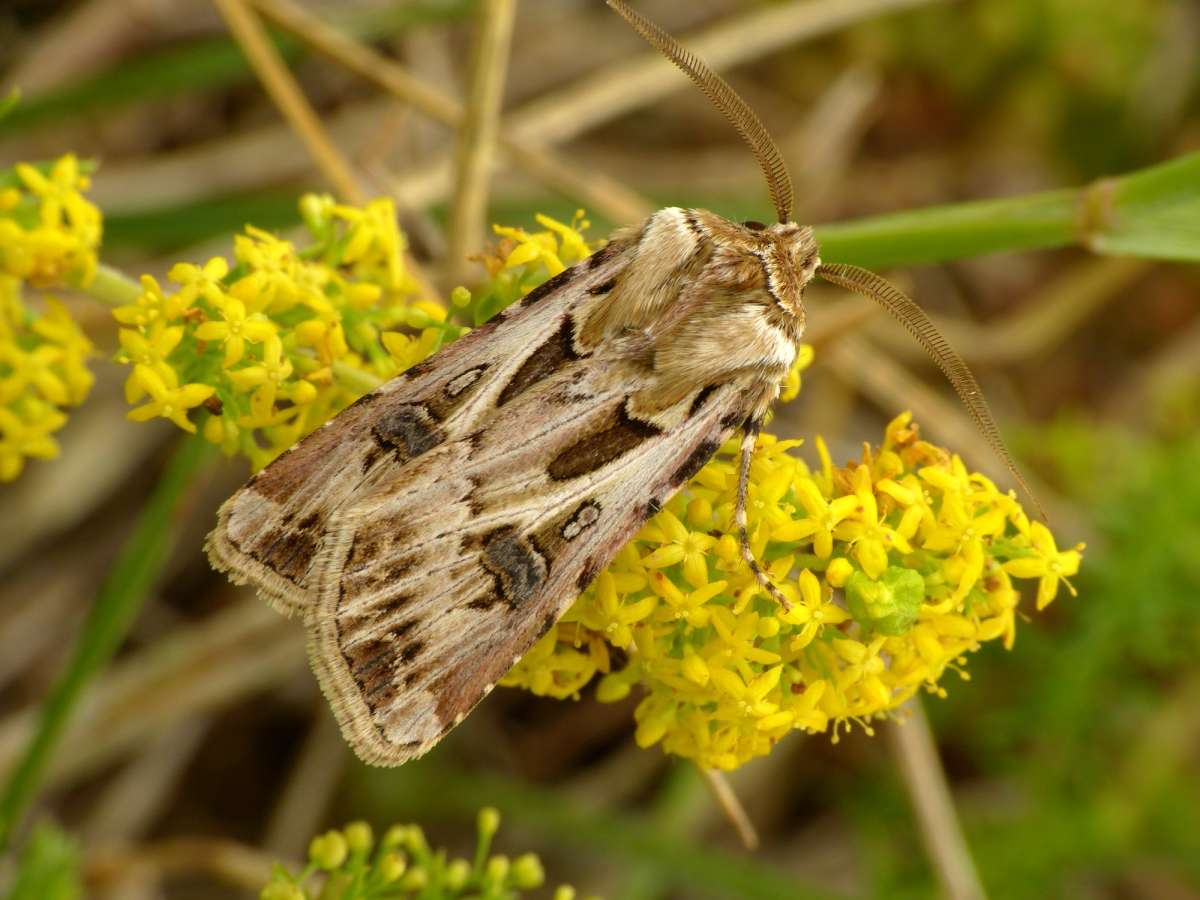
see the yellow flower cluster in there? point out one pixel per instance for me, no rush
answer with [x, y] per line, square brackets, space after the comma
[48, 238]
[522, 260]
[897, 565]
[268, 346]
[49, 231]
[402, 864]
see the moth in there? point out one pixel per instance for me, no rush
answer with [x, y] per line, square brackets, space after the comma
[430, 533]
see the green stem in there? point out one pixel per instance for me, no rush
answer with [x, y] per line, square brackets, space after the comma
[1152, 213]
[120, 599]
[112, 286]
[940, 233]
[356, 379]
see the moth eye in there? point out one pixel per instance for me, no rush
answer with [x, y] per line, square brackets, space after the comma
[753, 225]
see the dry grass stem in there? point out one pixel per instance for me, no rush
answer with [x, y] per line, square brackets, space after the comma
[277, 80]
[50, 500]
[633, 83]
[597, 192]
[226, 861]
[1176, 365]
[279, 84]
[137, 796]
[916, 754]
[240, 161]
[234, 653]
[729, 803]
[604, 95]
[311, 784]
[476, 147]
[1042, 323]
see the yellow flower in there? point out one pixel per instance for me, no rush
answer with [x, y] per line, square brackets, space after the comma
[823, 517]
[149, 348]
[29, 437]
[610, 616]
[869, 535]
[266, 378]
[43, 354]
[235, 329]
[200, 282]
[167, 399]
[62, 245]
[677, 545]
[812, 613]
[152, 306]
[1046, 563]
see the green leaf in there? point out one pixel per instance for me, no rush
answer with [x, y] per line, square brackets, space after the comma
[48, 868]
[120, 599]
[1154, 213]
[9, 103]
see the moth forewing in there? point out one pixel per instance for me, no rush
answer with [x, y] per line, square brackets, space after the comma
[270, 532]
[437, 527]
[434, 582]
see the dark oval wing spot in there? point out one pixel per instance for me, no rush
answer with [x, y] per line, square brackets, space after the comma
[518, 568]
[410, 430]
[601, 448]
[603, 287]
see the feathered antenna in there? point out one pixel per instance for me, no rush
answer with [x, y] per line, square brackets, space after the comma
[914, 319]
[726, 99]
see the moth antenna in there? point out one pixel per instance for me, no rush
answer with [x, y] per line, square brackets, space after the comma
[914, 319]
[726, 99]
[743, 494]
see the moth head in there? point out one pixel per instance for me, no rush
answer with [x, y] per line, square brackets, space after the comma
[789, 256]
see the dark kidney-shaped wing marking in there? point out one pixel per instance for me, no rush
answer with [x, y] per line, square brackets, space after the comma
[432, 585]
[270, 532]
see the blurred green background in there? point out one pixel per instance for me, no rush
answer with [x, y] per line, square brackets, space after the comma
[1074, 758]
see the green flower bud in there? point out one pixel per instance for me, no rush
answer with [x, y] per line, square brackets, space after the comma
[359, 837]
[889, 605]
[415, 880]
[496, 870]
[458, 873]
[564, 892]
[281, 891]
[414, 840]
[488, 821]
[391, 867]
[527, 872]
[395, 837]
[328, 851]
[460, 297]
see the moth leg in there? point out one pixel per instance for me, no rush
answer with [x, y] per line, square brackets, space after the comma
[743, 493]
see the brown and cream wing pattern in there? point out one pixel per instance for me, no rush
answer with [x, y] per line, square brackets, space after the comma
[431, 586]
[270, 532]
